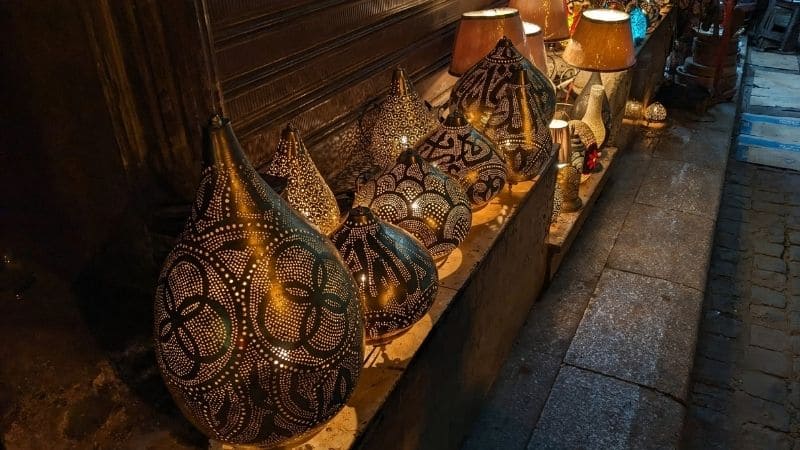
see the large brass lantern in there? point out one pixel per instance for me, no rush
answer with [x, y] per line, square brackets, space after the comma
[402, 116]
[458, 149]
[306, 190]
[394, 272]
[258, 330]
[422, 200]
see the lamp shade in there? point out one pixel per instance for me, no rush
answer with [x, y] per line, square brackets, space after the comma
[306, 190]
[422, 200]
[602, 42]
[548, 14]
[402, 114]
[234, 308]
[479, 31]
[459, 150]
[395, 274]
[534, 41]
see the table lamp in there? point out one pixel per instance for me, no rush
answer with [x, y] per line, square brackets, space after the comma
[548, 14]
[534, 41]
[478, 33]
[602, 42]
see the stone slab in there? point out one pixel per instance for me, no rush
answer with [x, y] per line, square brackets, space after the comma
[773, 60]
[694, 145]
[775, 89]
[640, 329]
[671, 245]
[683, 187]
[590, 411]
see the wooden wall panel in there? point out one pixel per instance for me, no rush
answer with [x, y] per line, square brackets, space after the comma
[318, 63]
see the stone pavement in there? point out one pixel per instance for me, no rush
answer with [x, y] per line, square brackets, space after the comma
[746, 390]
[605, 357]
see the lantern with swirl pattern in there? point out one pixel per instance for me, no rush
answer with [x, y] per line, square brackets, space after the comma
[459, 150]
[422, 200]
[395, 274]
[258, 330]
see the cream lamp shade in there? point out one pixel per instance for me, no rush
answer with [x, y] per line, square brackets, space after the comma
[478, 33]
[535, 42]
[602, 42]
[548, 14]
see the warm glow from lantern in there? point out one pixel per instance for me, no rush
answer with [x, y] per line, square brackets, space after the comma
[549, 14]
[602, 42]
[478, 33]
[534, 42]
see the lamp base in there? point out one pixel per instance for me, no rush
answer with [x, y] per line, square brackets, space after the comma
[582, 101]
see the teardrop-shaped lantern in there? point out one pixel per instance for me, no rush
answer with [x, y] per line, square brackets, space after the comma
[422, 200]
[395, 274]
[459, 150]
[518, 131]
[258, 329]
[402, 114]
[306, 190]
[481, 91]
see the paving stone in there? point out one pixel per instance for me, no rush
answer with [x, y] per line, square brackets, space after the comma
[764, 386]
[768, 248]
[711, 397]
[794, 303]
[753, 408]
[729, 304]
[769, 196]
[756, 436]
[795, 343]
[767, 361]
[639, 329]
[794, 285]
[713, 372]
[718, 347]
[589, 410]
[735, 201]
[732, 214]
[726, 286]
[515, 402]
[707, 428]
[794, 322]
[766, 296]
[794, 237]
[682, 186]
[739, 190]
[671, 245]
[770, 263]
[769, 338]
[767, 207]
[717, 323]
[768, 316]
[681, 144]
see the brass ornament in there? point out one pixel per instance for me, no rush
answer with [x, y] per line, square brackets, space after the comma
[568, 180]
[458, 149]
[257, 324]
[422, 200]
[306, 190]
[591, 155]
[402, 114]
[396, 276]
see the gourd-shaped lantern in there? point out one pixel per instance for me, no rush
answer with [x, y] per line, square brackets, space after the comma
[459, 150]
[258, 329]
[519, 132]
[402, 114]
[395, 274]
[422, 200]
[481, 91]
[306, 190]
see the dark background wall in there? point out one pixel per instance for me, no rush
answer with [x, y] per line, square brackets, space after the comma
[103, 107]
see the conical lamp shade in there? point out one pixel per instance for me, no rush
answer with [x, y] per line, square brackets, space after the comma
[401, 117]
[481, 91]
[422, 200]
[602, 42]
[534, 42]
[479, 31]
[395, 274]
[306, 190]
[232, 308]
[548, 14]
[517, 128]
[458, 149]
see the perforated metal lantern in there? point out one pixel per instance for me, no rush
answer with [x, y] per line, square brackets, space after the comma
[258, 329]
[395, 274]
[306, 190]
[403, 114]
[591, 155]
[483, 89]
[422, 200]
[458, 149]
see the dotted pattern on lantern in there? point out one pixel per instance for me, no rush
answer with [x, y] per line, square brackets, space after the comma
[398, 116]
[584, 133]
[306, 190]
[423, 201]
[468, 156]
[395, 274]
[479, 92]
[257, 324]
